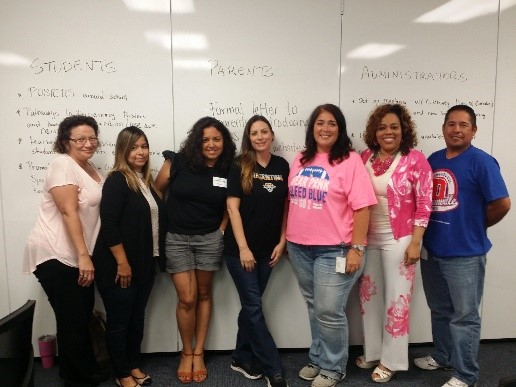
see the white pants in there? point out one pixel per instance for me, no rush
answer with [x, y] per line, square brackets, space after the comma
[385, 294]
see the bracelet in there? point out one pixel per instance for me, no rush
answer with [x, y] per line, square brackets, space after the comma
[358, 248]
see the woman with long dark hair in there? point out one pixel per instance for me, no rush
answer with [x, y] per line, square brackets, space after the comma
[330, 194]
[196, 179]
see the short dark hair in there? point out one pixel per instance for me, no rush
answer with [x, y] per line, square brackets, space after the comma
[342, 146]
[408, 127]
[66, 126]
[465, 108]
[191, 147]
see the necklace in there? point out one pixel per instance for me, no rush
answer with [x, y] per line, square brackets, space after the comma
[381, 166]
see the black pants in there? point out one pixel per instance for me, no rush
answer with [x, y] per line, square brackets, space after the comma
[125, 317]
[73, 306]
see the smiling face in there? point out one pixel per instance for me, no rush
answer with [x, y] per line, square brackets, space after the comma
[458, 131]
[82, 152]
[326, 132]
[261, 136]
[212, 145]
[139, 154]
[388, 134]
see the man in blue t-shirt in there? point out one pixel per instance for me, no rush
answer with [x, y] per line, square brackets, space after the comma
[469, 195]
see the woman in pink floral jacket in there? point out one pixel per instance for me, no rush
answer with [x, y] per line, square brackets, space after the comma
[402, 180]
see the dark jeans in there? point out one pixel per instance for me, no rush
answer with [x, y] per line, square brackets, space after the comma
[73, 307]
[254, 341]
[125, 318]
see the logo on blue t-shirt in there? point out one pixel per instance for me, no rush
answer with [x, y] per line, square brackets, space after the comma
[445, 191]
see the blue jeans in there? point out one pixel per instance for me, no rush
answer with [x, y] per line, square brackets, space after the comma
[453, 288]
[326, 293]
[254, 341]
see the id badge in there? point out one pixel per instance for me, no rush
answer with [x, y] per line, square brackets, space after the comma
[340, 265]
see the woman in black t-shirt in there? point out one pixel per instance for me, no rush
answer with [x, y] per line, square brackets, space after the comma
[195, 179]
[254, 243]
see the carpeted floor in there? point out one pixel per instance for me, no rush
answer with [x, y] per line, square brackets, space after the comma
[497, 360]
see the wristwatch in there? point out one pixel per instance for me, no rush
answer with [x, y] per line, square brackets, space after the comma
[358, 248]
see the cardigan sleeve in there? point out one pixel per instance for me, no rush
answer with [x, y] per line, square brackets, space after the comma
[422, 189]
[112, 205]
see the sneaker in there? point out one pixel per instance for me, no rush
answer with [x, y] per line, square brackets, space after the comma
[325, 381]
[248, 370]
[454, 382]
[427, 363]
[309, 372]
[276, 381]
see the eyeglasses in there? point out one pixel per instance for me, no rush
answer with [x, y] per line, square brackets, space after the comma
[83, 140]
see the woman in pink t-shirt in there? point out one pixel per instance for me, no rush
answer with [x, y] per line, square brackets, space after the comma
[402, 181]
[58, 250]
[330, 193]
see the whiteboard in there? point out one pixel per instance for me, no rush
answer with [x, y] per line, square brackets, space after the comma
[234, 59]
[101, 59]
[256, 57]
[163, 64]
[427, 66]
[117, 62]
[416, 59]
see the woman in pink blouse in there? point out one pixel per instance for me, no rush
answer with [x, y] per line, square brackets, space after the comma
[58, 249]
[402, 181]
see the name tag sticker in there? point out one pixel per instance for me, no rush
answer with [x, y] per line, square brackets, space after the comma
[220, 182]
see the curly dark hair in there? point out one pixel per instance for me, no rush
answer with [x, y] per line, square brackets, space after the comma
[191, 148]
[408, 127]
[66, 126]
[341, 148]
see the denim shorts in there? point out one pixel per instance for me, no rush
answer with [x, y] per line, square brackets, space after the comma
[194, 252]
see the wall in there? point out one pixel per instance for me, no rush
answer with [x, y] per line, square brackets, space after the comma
[4, 285]
[163, 65]
[498, 315]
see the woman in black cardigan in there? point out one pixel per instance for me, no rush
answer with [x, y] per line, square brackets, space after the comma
[128, 245]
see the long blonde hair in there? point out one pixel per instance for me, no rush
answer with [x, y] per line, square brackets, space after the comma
[124, 145]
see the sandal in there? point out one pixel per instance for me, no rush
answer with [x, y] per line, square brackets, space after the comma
[145, 380]
[120, 384]
[362, 363]
[185, 376]
[383, 375]
[201, 375]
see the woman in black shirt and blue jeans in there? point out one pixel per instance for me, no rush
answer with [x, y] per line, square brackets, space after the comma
[254, 243]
